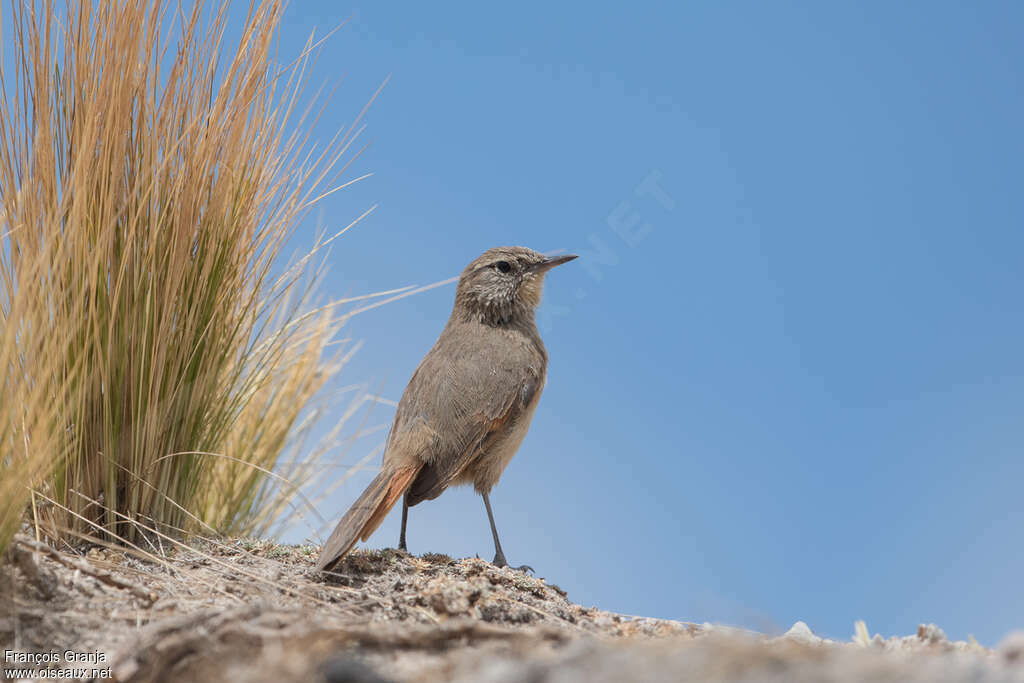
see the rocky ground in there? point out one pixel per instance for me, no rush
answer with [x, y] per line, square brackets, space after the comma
[255, 611]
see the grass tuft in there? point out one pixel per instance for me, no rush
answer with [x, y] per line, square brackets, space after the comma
[157, 358]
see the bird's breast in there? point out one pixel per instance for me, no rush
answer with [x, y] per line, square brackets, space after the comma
[485, 472]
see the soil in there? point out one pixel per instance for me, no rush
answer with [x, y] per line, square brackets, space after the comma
[256, 611]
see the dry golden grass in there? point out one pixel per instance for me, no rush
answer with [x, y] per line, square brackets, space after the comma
[31, 415]
[157, 358]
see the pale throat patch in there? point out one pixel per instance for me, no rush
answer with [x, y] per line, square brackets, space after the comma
[531, 290]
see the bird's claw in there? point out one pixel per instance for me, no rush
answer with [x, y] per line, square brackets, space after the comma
[499, 561]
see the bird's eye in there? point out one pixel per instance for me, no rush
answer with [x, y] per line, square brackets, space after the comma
[503, 266]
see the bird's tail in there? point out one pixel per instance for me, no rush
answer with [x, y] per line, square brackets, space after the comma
[366, 514]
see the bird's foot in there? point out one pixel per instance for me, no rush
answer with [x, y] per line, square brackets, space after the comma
[500, 561]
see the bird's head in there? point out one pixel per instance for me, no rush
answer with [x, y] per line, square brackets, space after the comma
[504, 283]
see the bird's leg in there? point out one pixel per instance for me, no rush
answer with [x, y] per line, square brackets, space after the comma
[405, 518]
[499, 555]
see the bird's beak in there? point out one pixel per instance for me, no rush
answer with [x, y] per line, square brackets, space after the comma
[552, 261]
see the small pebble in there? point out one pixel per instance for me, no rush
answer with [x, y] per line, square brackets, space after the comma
[1012, 647]
[800, 631]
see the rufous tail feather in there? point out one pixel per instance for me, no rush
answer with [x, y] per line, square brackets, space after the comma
[366, 514]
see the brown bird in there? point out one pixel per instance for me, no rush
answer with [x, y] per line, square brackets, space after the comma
[469, 403]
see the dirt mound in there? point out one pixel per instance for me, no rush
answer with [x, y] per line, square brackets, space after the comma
[255, 611]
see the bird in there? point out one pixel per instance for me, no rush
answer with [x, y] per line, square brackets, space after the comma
[468, 405]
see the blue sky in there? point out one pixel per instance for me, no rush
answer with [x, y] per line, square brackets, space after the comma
[786, 375]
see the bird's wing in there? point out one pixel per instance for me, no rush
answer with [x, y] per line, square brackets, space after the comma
[462, 397]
